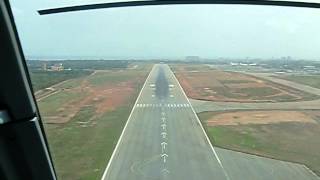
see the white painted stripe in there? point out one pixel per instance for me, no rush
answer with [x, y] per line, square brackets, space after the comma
[125, 127]
[213, 150]
[314, 174]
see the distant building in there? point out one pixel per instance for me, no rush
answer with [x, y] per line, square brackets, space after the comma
[57, 67]
[44, 66]
[234, 64]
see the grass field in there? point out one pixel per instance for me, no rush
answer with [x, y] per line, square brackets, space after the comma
[83, 152]
[311, 80]
[202, 83]
[97, 107]
[43, 79]
[289, 141]
[52, 103]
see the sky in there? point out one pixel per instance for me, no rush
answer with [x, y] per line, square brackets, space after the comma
[173, 32]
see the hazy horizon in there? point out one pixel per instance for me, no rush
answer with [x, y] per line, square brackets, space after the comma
[169, 32]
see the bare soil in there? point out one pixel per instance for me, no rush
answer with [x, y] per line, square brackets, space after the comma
[218, 85]
[103, 98]
[259, 117]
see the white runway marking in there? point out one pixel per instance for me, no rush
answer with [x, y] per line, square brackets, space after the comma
[164, 135]
[163, 126]
[163, 105]
[213, 150]
[125, 127]
[163, 146]
[164, 156]
[165, 171]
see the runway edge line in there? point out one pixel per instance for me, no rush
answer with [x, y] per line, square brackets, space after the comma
[120, 138]
[213, 150]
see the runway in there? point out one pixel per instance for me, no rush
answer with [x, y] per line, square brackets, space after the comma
[164, 139]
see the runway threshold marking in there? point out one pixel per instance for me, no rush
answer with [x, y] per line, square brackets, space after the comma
[163, 105]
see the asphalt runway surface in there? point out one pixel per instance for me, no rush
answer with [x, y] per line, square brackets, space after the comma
[164, 139]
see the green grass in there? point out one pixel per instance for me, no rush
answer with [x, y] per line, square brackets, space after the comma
[258, 92]
[225, 92]
[236, 81]
[83, 152]
[72, 84]
[243, 141]
[43, 79]
[290, 141]
[50, 105]
[113, 77]
[312, 80]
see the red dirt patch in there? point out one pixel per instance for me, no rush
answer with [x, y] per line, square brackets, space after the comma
[217, 85]
[104, 98]
[259, 117]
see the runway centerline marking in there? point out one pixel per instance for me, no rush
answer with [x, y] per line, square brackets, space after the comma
[163, 126]
[165, 171]
[164, 156]
[163, 134]
[163, 146]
